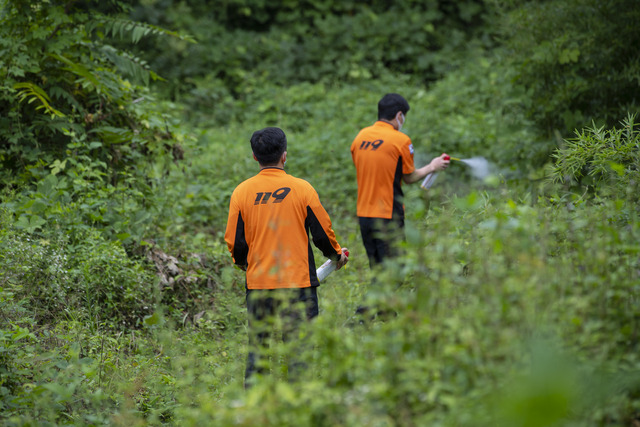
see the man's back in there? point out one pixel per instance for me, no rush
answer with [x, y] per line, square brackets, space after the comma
[381, 155]
[270, 216]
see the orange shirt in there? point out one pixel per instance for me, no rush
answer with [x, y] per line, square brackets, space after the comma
[270, 217]
[381, 155]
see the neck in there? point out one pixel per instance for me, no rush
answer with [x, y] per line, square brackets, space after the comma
[279, 165]
[391, 122]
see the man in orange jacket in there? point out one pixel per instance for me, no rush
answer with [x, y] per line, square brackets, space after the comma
[270, 218]
[383, 158]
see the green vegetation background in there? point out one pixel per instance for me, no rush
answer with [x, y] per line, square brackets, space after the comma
[124, 128]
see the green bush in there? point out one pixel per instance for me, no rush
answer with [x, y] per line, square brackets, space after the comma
[93, 280]
[77, 121]
[115, 289]
[574, 58]
[98, 282]
[15, 342]
[45, 378]
[602, 159]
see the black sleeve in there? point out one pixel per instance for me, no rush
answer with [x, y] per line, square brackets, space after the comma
[320, 238]
[240, 246]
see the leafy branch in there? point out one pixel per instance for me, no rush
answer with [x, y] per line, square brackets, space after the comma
[597, 151]
[137, 30]
[129, 64]
[85, 74]
[34, 93]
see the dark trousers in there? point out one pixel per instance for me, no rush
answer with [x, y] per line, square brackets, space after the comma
[266, 308]
[381, 238]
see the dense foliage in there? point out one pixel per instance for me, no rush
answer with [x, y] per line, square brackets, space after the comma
[561, 63]
[121, 139]
[244, 44]
[576, 59]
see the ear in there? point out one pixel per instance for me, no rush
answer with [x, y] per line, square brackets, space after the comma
[396, 120]
[284, 157]
[254, 157]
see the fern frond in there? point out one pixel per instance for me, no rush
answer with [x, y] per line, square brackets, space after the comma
[61, 94]
[129, 64]
[33, 93]
[84, 73]
[137, 30]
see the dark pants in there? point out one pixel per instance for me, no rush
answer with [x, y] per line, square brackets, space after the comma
[268, 307]
[381, 238]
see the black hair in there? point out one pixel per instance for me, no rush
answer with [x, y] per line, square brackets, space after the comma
[390, 104]
[268, 144]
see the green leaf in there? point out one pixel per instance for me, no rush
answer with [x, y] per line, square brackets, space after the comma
[21, 333]
[617, 168]
[30, 223]
[569, 55]
[152, 320]
[57, 166]
[123, 236]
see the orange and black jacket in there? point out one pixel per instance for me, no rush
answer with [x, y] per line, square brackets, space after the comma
[270, 218]
[381, 155]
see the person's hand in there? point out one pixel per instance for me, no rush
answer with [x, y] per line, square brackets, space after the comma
[440, 163]
[343, 259]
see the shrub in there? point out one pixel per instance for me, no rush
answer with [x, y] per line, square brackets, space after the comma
[94, 281]
[605, 160]
[574, 58]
